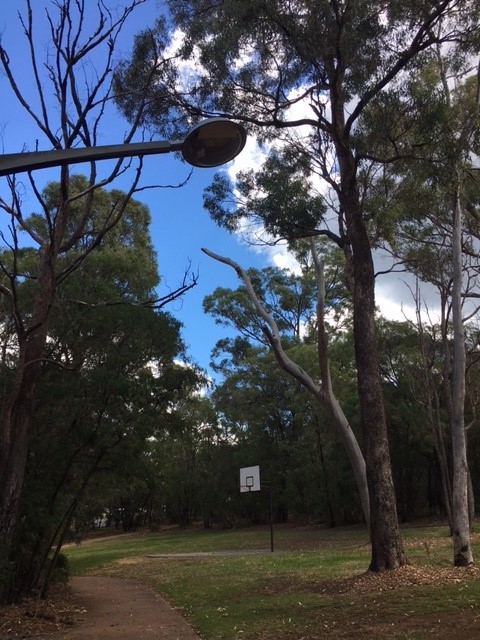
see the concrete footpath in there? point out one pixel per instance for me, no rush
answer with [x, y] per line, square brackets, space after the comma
[115, 608]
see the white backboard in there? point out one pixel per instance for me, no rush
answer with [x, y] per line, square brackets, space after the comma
[250, 479]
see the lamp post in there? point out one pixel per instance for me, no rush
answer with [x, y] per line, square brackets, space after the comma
[209, 144]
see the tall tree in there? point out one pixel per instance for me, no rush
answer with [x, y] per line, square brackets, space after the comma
[68, 97]
[304, 72]
[104, 384]
[266, 308]
[440, 111]
[463, 137]
[323, 389]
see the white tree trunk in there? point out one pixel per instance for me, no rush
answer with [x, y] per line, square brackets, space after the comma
[323, 392]
[462, 550]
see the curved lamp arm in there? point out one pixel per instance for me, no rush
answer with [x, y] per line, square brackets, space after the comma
[211, 143]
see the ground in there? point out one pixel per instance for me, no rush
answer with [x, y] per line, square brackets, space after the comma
[92, 608]
[96, 607]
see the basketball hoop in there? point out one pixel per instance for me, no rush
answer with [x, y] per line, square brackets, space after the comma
[250, 479]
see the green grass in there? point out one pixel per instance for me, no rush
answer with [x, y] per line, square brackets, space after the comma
[103, 551]
[296, 592]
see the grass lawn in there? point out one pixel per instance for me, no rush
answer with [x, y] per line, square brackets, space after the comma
[313, 586]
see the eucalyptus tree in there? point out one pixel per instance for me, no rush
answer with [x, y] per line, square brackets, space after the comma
[247, 310]
[303, 73]
[432, 201]
[67, 96]
[278, 423]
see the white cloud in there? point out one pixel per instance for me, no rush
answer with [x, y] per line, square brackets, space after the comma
[190, 69]
[393, 309]
[395, 297]
[393, 292]
[283, 259]
[251, 157]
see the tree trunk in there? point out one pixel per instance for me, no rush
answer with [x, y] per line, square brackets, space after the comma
[15, 419]
[326, 487]
[387, 548]
[323, 393]
[462, 550]
[354, 453]
[431, 401]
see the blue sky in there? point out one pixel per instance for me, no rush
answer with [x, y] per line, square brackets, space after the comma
[180, 226]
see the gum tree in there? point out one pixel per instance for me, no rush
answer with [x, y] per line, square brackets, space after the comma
[431, 203]
[322, 388]
[303, 73]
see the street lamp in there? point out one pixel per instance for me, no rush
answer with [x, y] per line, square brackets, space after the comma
[209, 144]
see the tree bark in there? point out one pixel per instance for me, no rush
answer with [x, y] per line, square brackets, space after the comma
[462, 550]
[387, 547]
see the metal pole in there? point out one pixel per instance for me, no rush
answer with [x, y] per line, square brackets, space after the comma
[270, 488]
[209, 144]
[17, 162]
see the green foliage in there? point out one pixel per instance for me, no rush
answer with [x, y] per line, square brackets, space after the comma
[143, 80]
[277, 424]
[289, 298]
[431, 132]
[194, 476]
[278, 197]
[302, 37]
[61, 572]
[107, 385]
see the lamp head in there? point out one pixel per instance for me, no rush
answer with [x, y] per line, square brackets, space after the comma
[213, 142]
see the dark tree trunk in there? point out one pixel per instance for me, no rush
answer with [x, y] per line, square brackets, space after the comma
[387, 548]
[15, 420]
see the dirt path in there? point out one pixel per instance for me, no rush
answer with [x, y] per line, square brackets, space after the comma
[115, 608]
